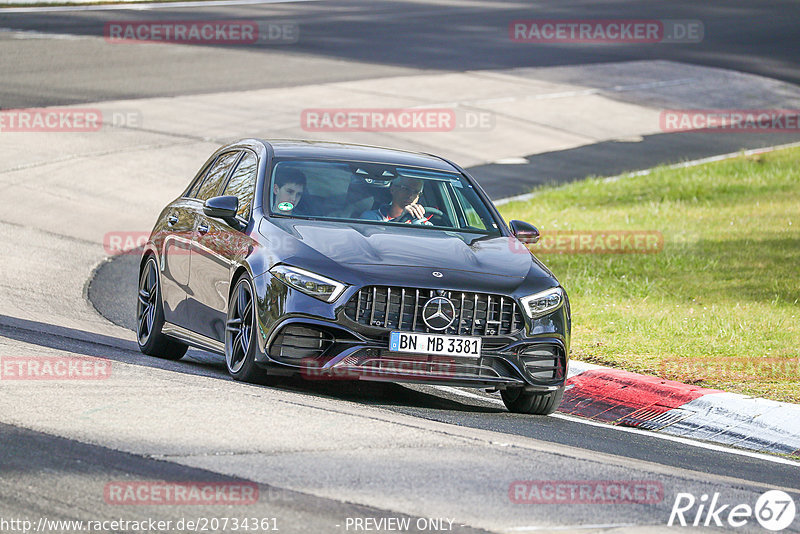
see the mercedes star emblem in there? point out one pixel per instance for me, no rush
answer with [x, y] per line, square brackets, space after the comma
[438, 313]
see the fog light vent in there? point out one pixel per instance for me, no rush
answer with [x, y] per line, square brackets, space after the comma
[543, 362]
[300, 341]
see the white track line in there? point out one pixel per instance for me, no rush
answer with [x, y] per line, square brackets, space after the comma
[33, 34]
[144, 6]
[631, 430]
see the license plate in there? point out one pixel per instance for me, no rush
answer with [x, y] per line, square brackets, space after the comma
[435, 344]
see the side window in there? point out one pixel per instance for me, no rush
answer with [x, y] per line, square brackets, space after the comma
[473, 217]
[192, 192]
[215, 176]
[243, 183]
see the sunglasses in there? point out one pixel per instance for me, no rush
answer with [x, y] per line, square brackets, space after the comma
[409, 189]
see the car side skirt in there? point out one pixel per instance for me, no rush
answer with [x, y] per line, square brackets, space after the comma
[192, 338]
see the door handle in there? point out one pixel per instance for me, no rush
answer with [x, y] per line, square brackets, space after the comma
[172, 220]
[202, 229]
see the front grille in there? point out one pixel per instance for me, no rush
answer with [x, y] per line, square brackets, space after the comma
[296, 341]
[399, 308]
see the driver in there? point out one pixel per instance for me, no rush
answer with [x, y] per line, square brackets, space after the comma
[405, 193]
[288, 189]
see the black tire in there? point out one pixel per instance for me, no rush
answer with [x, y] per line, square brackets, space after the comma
[240, 334]
[534, 403]
[150, 317]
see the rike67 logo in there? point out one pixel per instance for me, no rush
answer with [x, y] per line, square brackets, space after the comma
[774, 510]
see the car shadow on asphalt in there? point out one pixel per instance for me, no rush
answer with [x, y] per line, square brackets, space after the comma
[201, 363]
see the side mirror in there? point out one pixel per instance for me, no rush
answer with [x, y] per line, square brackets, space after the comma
[224, 208]
[525, 232]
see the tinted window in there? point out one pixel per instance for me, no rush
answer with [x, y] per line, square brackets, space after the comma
[474, 213]
[192, 192]
[375, 192]
[242, 184]
[216, 175]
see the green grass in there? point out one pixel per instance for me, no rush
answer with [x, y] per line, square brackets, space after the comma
[719, 306]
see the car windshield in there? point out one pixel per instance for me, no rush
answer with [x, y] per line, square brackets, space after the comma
[378, 193]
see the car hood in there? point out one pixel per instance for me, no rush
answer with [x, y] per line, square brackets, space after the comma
[364, 245]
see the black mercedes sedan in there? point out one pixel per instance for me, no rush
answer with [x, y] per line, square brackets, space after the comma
[338, 261]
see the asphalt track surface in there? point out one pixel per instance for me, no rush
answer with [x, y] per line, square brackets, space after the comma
[118, 277]
[47, 475]
[44, 474]
[90, 465]
[114, 287]
[349, 40]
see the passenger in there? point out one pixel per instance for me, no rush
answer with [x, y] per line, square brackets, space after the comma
[288, 189]
[405, 193]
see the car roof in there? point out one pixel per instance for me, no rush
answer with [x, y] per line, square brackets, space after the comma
[351, 152]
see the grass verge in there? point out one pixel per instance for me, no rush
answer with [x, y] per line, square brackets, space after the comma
[719, 305]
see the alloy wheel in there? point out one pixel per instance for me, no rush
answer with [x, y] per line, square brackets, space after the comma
[146, 306]
[238, 329]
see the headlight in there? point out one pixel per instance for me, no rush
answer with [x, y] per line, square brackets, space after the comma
[543, 303]
[309, 283]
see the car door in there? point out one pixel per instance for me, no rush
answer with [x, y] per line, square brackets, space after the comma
[216, 246]
[174, 239]
[205, 290]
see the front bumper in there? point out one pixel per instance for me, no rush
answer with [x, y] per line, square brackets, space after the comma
[302, 335]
